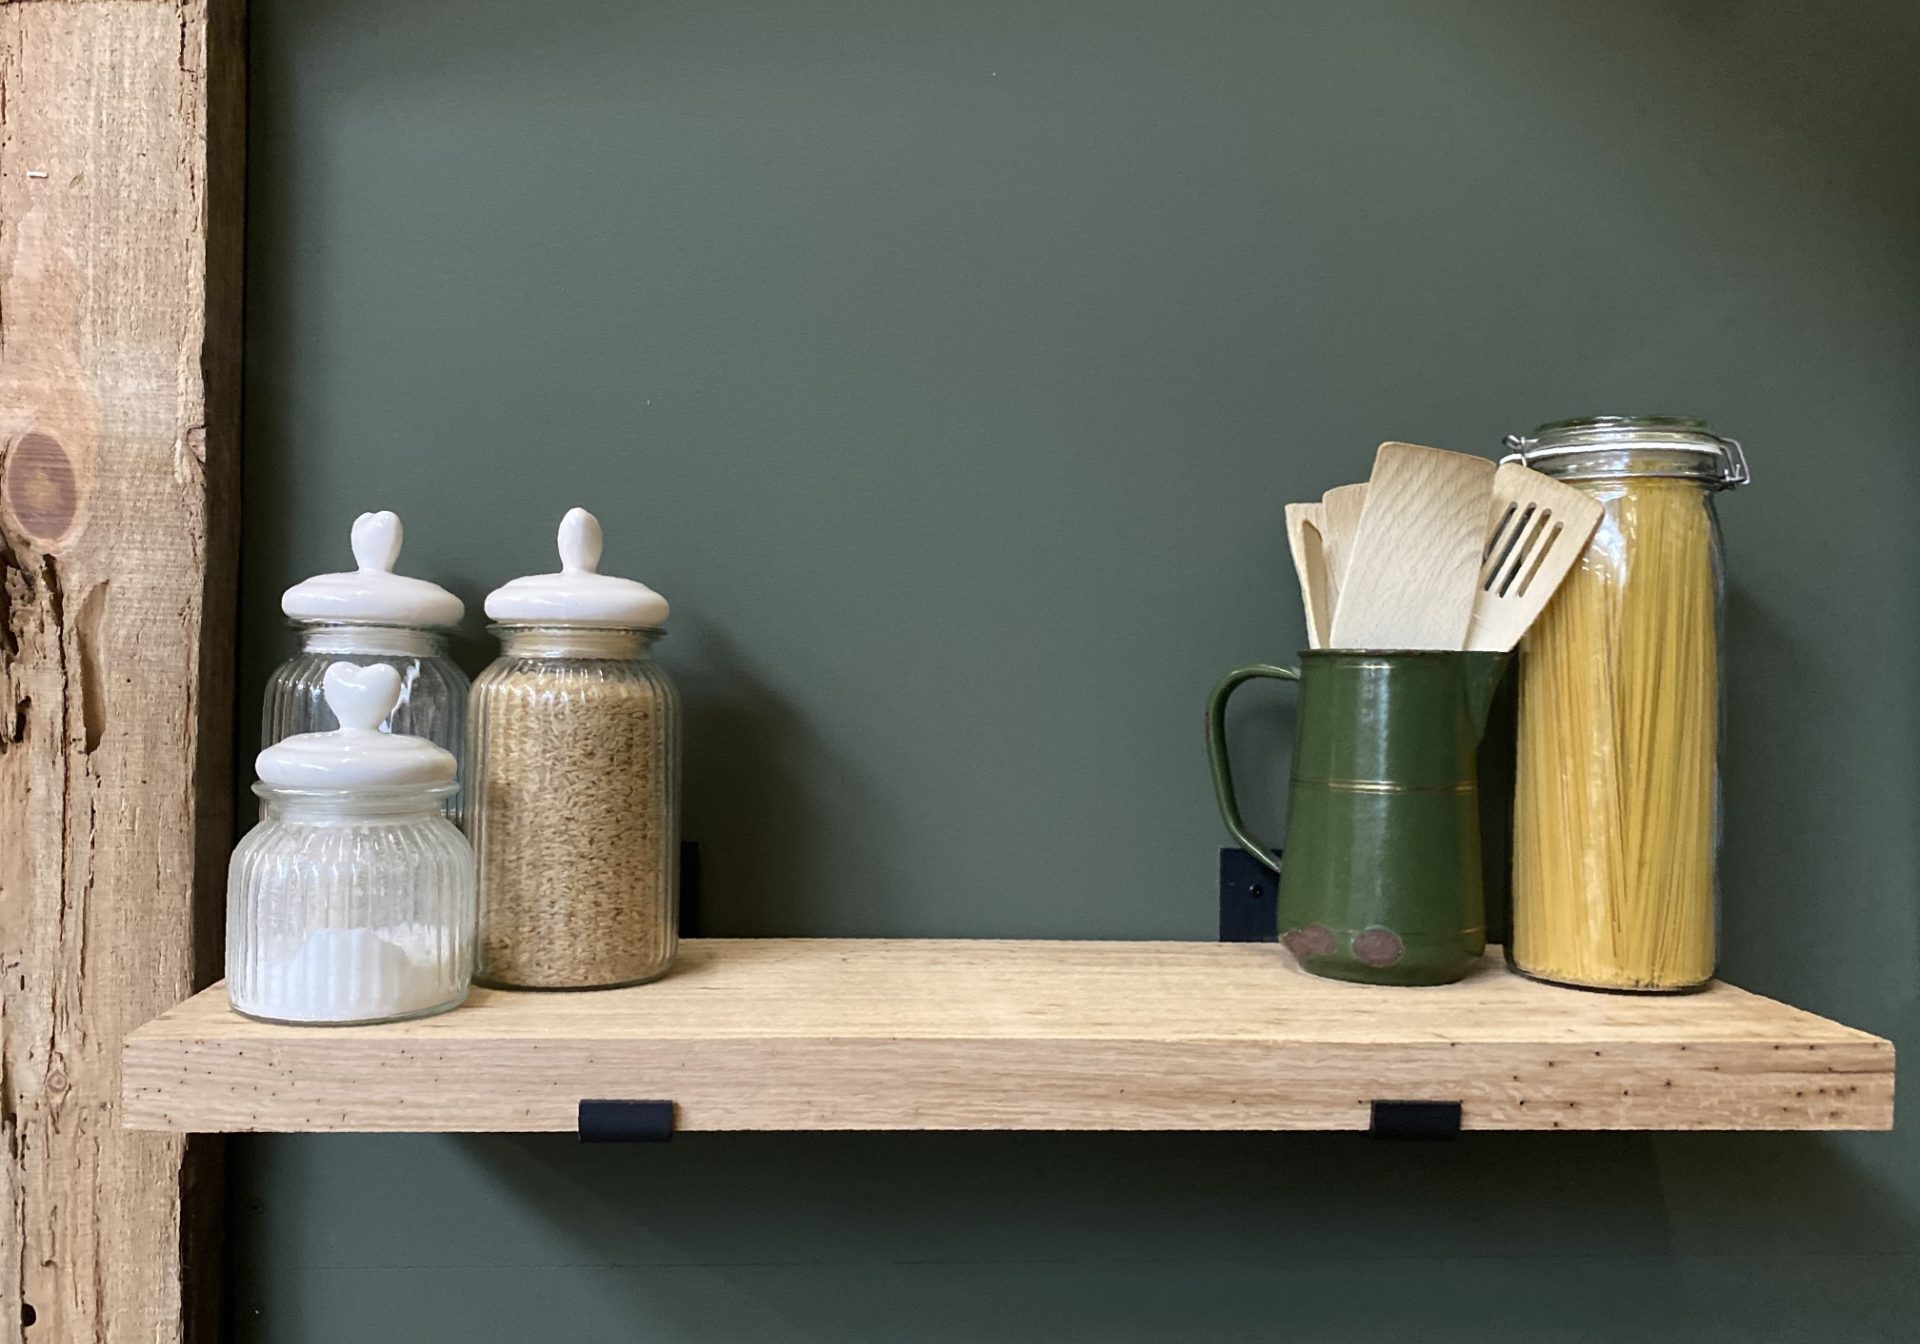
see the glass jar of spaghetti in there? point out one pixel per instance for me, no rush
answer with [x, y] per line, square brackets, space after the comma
[1616, 798]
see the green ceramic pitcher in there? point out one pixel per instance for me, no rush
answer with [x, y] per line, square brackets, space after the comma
[1382, 874]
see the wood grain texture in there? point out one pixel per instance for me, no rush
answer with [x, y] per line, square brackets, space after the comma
[1415, 562]
[933, 1034]
[120, 198]
[1340, 510]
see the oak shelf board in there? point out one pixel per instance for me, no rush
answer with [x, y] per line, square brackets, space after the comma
[942, 1034]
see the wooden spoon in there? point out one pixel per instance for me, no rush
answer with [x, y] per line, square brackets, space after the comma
[1415, 564]
[1539, 527]
[1306, 539]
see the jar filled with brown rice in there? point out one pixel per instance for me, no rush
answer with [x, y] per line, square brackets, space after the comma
[573, 780]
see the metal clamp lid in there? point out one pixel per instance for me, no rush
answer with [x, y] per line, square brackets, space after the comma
[1665, 445]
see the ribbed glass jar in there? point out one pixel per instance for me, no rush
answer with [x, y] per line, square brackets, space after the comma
[350, 905]
[1616, 820]
[433, 689]
[573, 781]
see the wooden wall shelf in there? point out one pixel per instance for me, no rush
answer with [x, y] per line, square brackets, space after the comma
[800, 1034]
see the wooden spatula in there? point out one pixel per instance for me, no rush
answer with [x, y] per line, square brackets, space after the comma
[1415, 564]
[1307, 542]
[1539, 527]
[1339, 522]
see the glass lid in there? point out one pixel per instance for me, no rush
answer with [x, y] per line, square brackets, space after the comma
[1604, 446]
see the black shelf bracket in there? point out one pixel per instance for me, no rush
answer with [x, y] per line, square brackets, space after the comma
[625, 1121]
[1249, 899]
[1415, 1120]
[690, 889]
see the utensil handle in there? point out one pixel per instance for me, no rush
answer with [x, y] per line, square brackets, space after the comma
[1217, 754]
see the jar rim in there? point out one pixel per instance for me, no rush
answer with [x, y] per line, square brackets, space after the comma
[390, 795]
[557, 641]
[342, 623]
[501, 628]
[1601, 447]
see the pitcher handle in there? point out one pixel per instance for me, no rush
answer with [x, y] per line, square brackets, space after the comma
[1217, 754]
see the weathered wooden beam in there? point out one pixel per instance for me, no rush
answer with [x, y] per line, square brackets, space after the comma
[120, 268]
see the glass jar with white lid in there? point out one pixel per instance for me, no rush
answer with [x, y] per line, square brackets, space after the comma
[365, 616]
[574, 780]
[352, 900]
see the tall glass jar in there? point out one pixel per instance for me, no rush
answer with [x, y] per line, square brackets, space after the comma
[352, 900]
[1616, 807]
[370, 616]
[574, 781]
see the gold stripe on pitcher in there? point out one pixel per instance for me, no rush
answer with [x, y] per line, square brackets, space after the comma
[1383, 786]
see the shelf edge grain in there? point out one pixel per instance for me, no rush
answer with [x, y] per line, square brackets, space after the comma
[987, 1047]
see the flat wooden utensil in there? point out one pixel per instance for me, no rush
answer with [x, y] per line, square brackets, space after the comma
[1415, 564]
[1539, 527]
[1340, 511]
[1307, 542]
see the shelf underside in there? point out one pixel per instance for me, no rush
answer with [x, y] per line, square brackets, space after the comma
[820, 1034]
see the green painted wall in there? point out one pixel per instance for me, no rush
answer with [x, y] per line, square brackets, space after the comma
[947, 365]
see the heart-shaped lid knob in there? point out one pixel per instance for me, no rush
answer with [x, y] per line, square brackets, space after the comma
[373, 594]
[357, 754]
[579, 594]
[360, 697]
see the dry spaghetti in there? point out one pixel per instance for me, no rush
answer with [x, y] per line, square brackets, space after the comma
[1615, 813]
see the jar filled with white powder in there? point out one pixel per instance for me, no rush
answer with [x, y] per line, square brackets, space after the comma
[352, 900]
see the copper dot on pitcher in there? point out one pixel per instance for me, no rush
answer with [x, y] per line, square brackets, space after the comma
[1317, 940]
[39, 486]
[1378, 947]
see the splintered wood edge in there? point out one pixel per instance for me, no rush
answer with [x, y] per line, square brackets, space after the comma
[202, 1068]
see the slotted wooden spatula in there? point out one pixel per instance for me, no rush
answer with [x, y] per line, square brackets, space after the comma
[1415, 565]
[1307, 542]
[1539, 527]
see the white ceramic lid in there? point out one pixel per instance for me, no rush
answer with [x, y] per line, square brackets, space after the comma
[579, 594]
[373, 593]
[357, 754]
